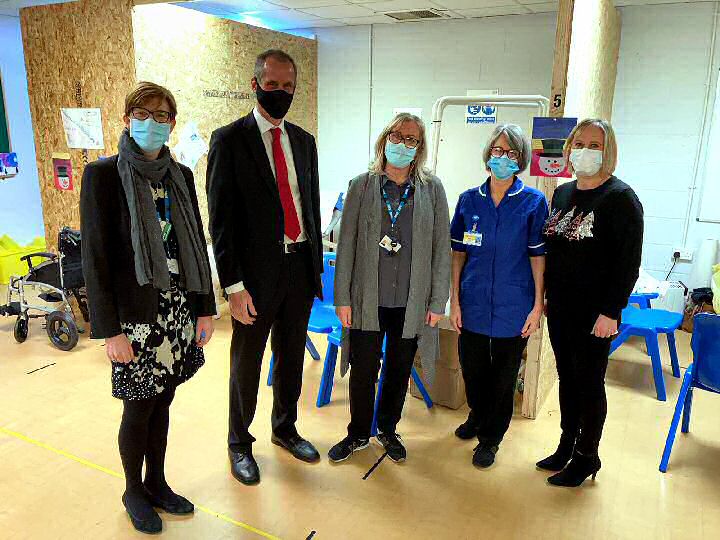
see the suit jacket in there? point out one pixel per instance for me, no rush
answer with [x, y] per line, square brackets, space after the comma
[114, 295]
[246, 216]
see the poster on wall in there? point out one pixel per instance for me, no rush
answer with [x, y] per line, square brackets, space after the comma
[190, 147]
[548, 139]
[83, 128]
[480, 114]
[62, 171]
[9, 166]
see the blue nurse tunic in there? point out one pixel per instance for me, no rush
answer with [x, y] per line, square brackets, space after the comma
[497, 290]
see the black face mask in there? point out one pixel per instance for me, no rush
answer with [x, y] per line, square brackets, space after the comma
[275, 102]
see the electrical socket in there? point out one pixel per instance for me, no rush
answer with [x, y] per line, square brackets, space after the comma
[686, 254]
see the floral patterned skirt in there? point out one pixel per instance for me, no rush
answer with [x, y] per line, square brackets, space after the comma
[165, 351]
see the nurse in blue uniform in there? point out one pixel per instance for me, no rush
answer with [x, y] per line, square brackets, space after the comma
[497, 286]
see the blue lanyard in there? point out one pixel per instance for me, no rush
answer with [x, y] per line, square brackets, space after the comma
[166, 200]
[403, 201]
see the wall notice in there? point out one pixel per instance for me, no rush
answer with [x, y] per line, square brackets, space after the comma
[83, 128]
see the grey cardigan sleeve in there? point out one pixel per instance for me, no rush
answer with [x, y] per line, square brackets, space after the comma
[347, 242]
[440, 286]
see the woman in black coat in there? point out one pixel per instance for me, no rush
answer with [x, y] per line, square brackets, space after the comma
[149, 290]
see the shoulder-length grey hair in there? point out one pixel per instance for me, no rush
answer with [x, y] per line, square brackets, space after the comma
[418, 172]
[517, 140]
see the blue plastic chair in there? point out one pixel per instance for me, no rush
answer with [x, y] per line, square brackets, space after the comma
[642, 300]
[328, 377]
[649, 323]
[703, 373]
[322, 317]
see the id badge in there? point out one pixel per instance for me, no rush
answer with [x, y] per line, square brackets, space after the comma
[390, 245]
[472, 239]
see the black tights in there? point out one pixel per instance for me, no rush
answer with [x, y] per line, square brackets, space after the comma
[143, 435]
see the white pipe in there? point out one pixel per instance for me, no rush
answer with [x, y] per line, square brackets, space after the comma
[701, 150]
[528, 101]
[371, 38]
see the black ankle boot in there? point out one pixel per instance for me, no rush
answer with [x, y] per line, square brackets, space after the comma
[561, 457]
[577, 471]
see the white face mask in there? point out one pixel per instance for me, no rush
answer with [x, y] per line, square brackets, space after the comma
[586, 162]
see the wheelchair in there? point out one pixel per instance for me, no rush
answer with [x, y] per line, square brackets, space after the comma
[54, 280]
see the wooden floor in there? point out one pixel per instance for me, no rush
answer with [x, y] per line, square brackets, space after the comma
[59, 464]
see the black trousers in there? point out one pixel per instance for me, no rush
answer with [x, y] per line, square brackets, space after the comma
[287, 316]
[143, 436]
[490, 369]
[365, 356]
[581, 360]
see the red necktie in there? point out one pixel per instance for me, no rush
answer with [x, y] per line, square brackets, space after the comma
[292, 224]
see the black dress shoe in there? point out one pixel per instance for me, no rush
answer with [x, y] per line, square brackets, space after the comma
[298, 447]
[170, 502]
[142, 515]
[244, 467]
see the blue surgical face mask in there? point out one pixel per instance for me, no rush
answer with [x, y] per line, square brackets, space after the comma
[503, 167]
[399, 155]
[149, 134]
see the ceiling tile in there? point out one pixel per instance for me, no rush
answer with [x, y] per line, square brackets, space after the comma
[494, 12]
[238, 6]
[474, 4]
[346, 11]
[400, 5]
[375, 19]
[320, 23]
[299, 4]
[545, 7]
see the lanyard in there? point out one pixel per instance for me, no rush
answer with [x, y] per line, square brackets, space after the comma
[403, 201]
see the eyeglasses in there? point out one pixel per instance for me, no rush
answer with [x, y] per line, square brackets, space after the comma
[499, 151]
[396, 138]
[161, 117]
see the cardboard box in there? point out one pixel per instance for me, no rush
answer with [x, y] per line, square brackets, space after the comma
[448, 388]
[449, 357]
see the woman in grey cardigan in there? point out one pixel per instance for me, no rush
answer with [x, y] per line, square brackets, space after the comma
[392, 280]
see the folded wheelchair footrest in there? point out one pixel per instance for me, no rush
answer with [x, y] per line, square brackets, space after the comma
[12, 310]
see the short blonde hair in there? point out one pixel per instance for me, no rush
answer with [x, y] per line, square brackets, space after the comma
[609, 161]
[418, 171]
[144, 92]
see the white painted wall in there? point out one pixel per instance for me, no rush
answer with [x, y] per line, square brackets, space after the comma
[20, 205]
[413, 64]
[658, 111]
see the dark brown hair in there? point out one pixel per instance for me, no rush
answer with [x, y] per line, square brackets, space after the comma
[146, 91]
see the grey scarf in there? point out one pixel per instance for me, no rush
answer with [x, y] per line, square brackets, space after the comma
[136, 173]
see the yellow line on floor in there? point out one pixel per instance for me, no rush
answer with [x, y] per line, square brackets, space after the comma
[100, 468]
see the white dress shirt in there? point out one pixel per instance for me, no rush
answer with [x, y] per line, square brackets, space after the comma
[265, 126]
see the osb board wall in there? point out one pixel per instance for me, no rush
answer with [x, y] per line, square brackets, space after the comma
[207, 63]
[77, 54]
[593, 60]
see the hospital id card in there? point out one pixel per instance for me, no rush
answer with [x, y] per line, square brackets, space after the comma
[472, 239]
[390, 245]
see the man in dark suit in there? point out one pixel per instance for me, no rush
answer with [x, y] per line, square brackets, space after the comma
[263, 195]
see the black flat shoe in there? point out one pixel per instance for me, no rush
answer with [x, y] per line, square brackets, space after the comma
[244, 467]
[142, 515]
[298, 447]
[557, 461]
[578, 470]
[170, 502]
[484, 455]
[467, 430]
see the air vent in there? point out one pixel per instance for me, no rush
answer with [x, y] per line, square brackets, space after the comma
[419, 15]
